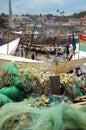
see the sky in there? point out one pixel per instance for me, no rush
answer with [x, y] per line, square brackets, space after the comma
[20, 7]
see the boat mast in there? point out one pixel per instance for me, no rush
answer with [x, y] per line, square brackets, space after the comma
[60, 31]
[9, 24]
[33, 34]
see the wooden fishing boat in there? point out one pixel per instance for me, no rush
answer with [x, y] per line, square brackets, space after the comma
[56, 67]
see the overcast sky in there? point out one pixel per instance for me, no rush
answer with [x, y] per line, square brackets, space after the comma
[43, 6]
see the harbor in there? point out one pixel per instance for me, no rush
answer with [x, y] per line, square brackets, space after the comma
[42, 71]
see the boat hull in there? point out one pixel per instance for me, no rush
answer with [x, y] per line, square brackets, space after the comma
[56, 67]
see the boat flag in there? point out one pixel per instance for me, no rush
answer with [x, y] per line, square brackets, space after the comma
[72, 53]
[82, 42]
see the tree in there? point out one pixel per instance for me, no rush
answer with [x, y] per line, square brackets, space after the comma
[79, 15]
[49, 16]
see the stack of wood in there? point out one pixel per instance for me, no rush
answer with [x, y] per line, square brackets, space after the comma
[79, 101]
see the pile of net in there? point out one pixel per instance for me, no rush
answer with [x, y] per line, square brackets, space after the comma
[21, 116]
[17, 84]
[72, 84]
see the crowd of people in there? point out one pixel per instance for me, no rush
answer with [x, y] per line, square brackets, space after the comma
[26, 51]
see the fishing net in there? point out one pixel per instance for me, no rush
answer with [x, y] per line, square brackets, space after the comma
[78, 81]
[13, 93]
[27, 79]
[12, 75]
[17, 83]
[71, 85]
[21, 116]
[7, 73]
[4, 99]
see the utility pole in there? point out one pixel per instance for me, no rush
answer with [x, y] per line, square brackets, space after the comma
[10, 15]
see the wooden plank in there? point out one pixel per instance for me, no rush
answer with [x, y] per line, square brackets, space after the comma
[78, 104]
[80, 98]
[55, 84]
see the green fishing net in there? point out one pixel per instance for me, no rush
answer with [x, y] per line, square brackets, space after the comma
[4, 99]
[78, 81]
[13, 75]
[13, 93]
[21, 116]
[14, 83]
[7, 73]
[11, 68]
[27, 80]
[17, 84]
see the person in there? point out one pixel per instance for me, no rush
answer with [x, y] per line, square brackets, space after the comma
[22, 51]
[29, 43]
[26, 51]
[33, 49]
[78, 71]
[36, 53]
[67, 51]
[32, 56]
